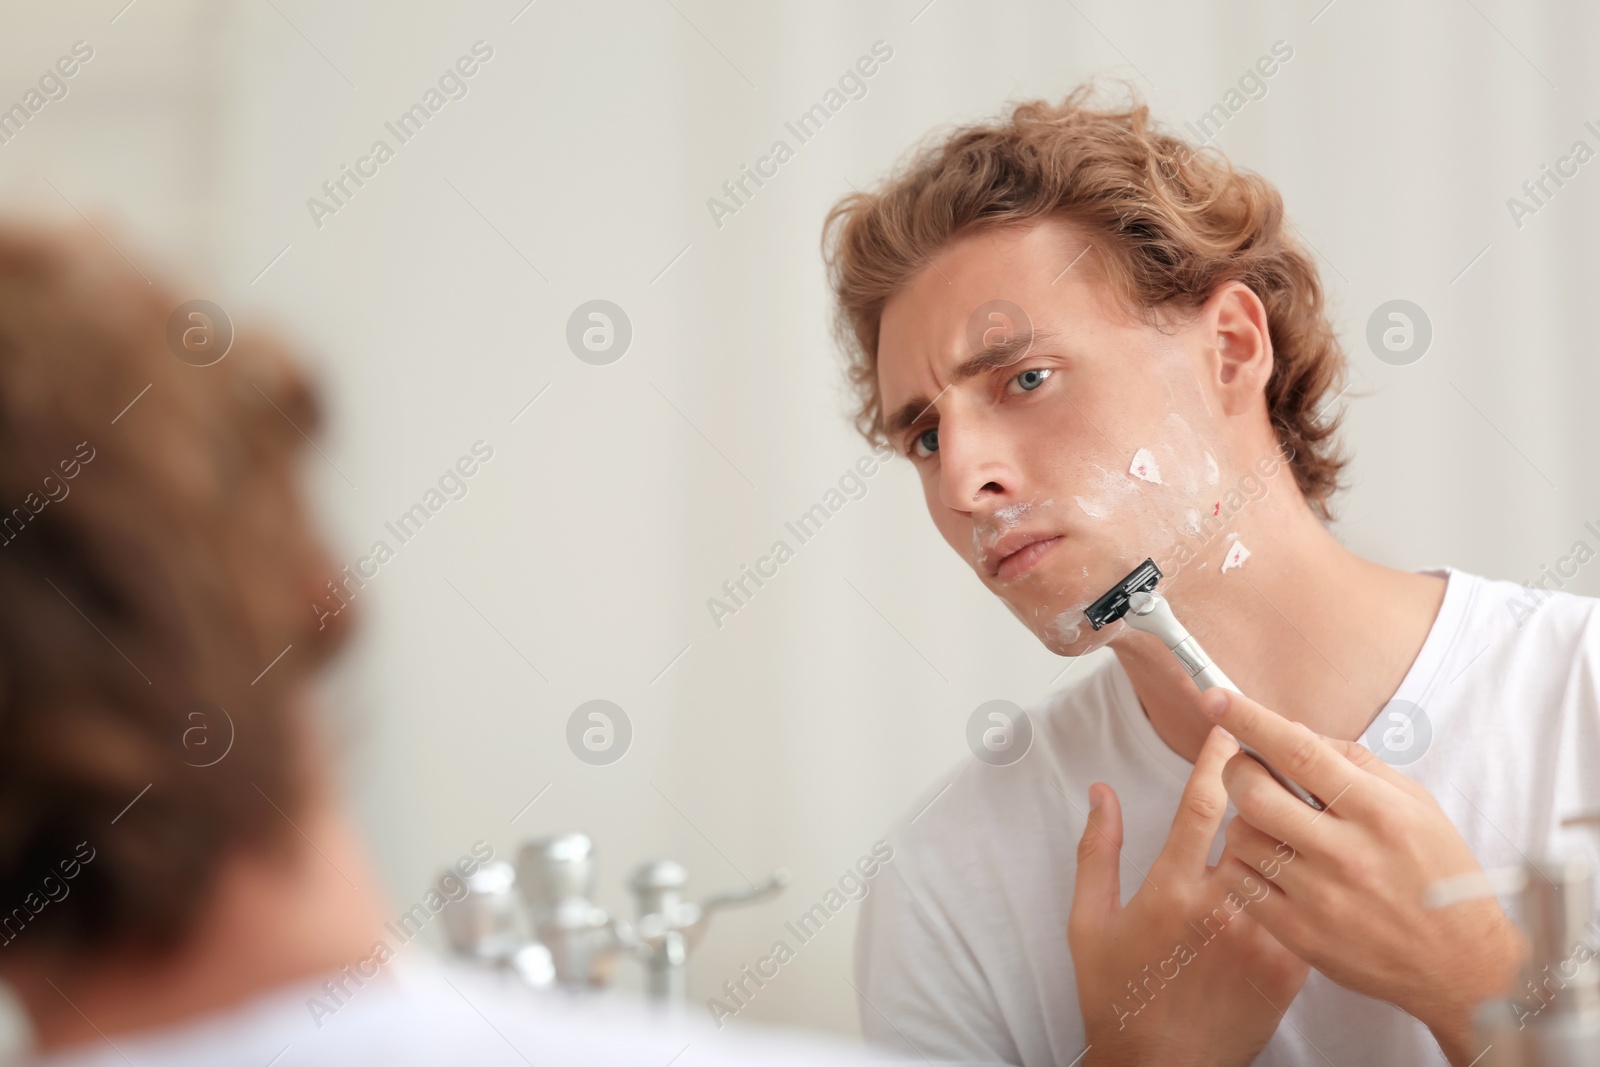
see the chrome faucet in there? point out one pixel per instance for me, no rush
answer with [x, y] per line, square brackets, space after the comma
[540, 920]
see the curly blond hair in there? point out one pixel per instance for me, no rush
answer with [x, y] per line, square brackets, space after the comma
[1170, 223]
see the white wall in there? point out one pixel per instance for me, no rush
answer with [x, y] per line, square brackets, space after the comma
[581, 161]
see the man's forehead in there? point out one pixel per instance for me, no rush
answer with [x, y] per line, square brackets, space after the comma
[1029, 263]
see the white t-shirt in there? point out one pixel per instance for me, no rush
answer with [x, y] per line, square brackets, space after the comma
[962, 950]
[421, 1012]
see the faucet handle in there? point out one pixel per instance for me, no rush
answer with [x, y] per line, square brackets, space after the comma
[658, 890]
[770, 887]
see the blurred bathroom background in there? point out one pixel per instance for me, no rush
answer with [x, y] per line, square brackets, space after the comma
[435, 300]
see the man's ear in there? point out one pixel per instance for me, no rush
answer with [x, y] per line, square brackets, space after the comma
[1237, 322]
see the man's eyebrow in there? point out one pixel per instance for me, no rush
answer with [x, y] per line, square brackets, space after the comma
[993, 357]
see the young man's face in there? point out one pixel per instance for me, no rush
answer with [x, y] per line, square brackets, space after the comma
[1108, 441]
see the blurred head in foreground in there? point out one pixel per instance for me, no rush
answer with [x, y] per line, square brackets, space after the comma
[157, 567]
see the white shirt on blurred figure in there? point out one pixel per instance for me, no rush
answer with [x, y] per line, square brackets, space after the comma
[430, 1012]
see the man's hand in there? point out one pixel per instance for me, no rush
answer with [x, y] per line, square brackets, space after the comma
[1182, 974]
[1351, 903]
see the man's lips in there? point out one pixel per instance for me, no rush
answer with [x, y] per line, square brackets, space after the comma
[1016, 553]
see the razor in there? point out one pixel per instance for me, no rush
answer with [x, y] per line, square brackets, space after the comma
[1135, 601]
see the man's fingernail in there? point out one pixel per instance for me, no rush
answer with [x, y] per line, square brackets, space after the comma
[1214, 702]
[1094, 799]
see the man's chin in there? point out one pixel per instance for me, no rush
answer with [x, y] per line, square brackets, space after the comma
[1050, 601]
[1063, 630]
[1071, 635]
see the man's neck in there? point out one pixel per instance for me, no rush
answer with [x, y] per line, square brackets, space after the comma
[270, 920]
[1305, 627]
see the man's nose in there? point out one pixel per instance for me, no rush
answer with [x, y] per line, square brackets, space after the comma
[972, 466]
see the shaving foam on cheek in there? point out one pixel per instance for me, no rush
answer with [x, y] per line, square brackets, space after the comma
[1190, 460]
[1114, 490]
[1186, 442]
[1167, 489]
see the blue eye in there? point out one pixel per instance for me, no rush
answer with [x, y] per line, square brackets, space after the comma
[926, 442]
[1029, 380]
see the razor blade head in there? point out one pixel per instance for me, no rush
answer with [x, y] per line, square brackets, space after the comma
[1114, 605]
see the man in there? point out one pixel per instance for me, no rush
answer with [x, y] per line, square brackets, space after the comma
[1096, 346]
[180, 882]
